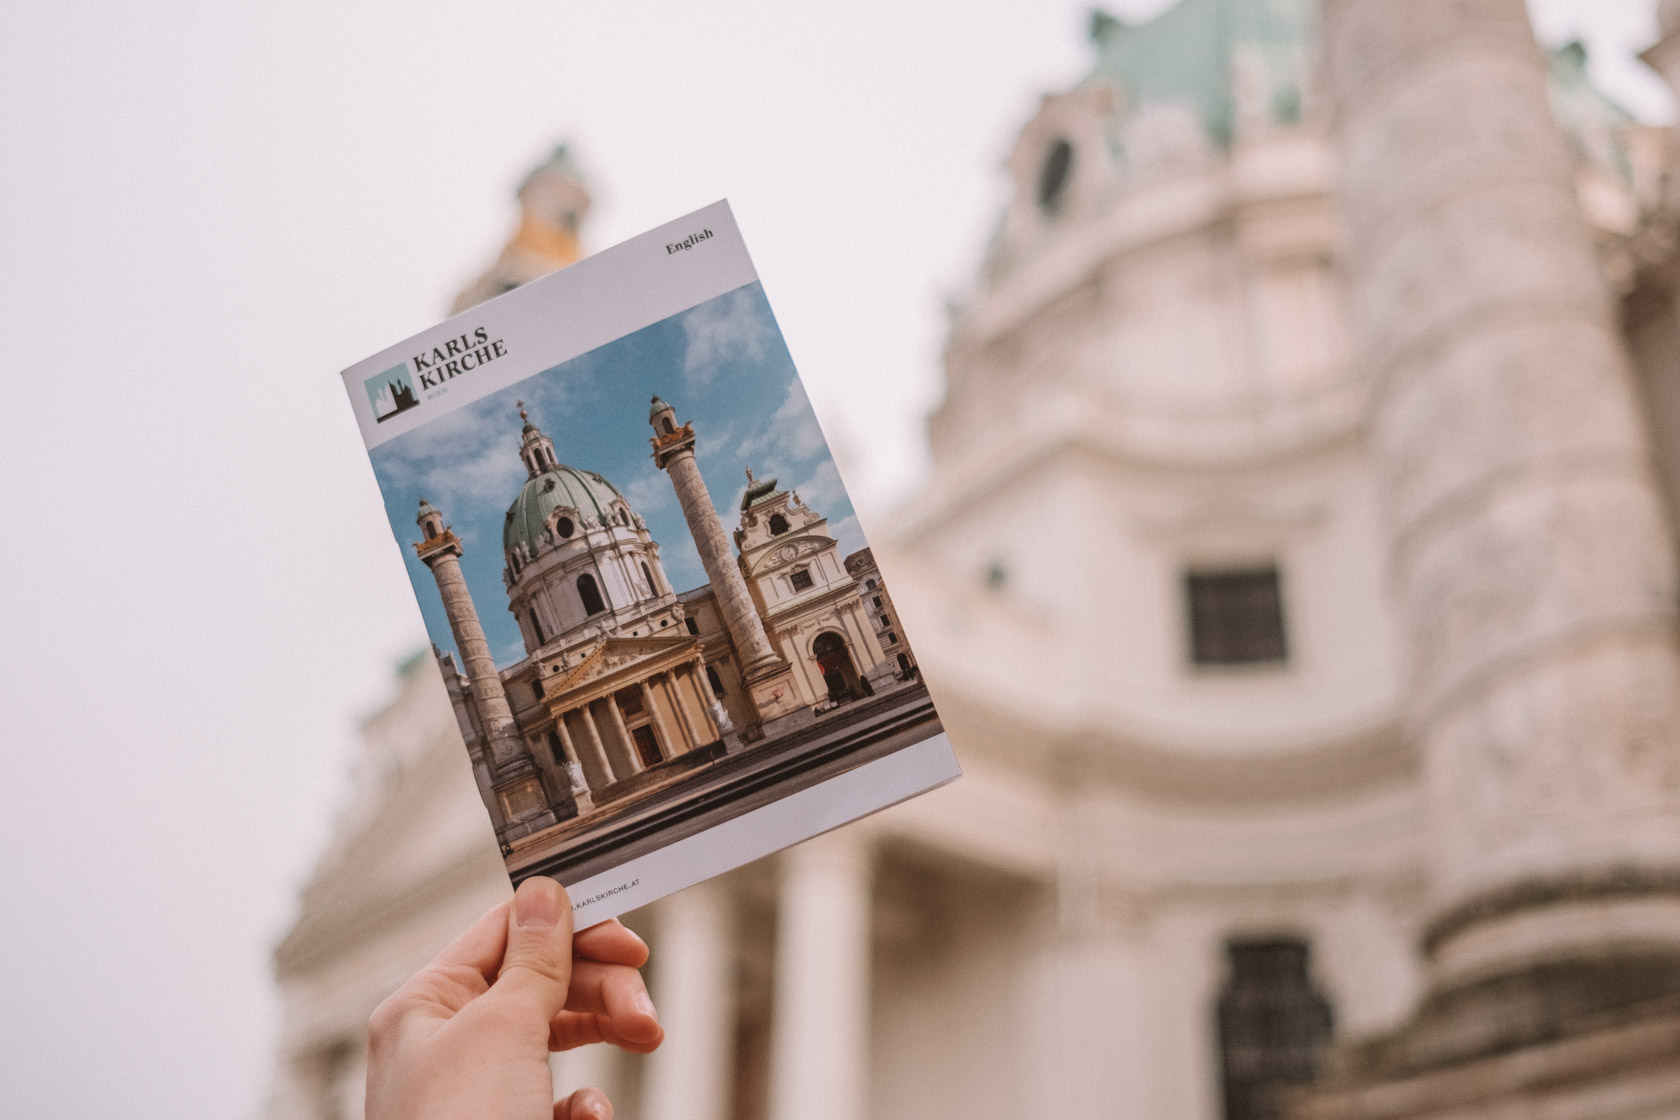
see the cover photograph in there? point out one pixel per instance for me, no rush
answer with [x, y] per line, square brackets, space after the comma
[663, 634]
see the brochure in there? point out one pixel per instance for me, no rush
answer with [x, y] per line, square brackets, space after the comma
[668, 646]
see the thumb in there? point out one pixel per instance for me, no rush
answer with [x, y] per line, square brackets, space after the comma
[537, 967]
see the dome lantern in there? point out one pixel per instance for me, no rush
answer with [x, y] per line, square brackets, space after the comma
[535, 448]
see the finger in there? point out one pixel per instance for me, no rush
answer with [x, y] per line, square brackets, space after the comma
[610, 943]
[585, 1104]
[570, 1030]
[481, 947]
[461, 972]
[537, 966]
[617, 992]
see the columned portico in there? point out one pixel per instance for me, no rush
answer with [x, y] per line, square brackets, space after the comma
[819, 1052]
[690, 1076]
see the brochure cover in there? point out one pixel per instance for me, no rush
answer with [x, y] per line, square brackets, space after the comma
[666, 641]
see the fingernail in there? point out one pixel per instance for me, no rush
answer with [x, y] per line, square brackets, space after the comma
[645, 1006]
[537, 903]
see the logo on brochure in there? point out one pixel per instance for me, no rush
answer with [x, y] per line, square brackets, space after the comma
[391, 392]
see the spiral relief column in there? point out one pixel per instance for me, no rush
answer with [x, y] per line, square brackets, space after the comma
[517, 785]
[1528, 544]
[768, 677]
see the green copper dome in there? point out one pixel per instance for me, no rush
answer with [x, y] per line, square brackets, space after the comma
[1185, 55]
[559, 487]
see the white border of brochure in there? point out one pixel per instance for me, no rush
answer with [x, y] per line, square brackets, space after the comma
[553, 320]
[799, 816]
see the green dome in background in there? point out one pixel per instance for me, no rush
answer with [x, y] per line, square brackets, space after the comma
[560, 487]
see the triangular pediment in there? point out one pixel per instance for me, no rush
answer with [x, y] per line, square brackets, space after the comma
[614, 654]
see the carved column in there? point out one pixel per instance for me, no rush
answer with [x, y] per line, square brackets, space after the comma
[766, 675]
[674, 454]
[518, 786]
[1527, 539]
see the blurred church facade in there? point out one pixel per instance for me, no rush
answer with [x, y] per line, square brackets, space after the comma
[1329, 762]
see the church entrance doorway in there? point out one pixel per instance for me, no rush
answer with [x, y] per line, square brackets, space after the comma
[647, 744]
[639, 722]
[835, 662]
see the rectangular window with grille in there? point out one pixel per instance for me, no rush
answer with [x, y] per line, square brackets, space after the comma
[1236, 616]
[1274, 1025]
[801, 579]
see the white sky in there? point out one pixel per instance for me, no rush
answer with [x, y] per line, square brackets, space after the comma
[206, 210]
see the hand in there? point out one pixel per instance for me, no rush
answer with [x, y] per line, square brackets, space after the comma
[467, 1038]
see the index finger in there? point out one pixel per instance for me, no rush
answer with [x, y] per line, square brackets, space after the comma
[610, 942]
[481, 947]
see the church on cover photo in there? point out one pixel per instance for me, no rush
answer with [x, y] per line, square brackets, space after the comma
[640, 712]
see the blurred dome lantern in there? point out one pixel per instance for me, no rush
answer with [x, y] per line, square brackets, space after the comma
[553, 202]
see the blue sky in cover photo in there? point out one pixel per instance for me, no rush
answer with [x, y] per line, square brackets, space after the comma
[721, 364]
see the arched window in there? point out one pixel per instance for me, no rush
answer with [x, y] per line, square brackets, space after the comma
[563, 528]
[778, 525]
[869, 583]
[1053, 175]
[653, 588]
[536, 628]
[590, 594]
[666, 426]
